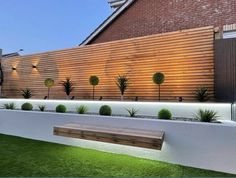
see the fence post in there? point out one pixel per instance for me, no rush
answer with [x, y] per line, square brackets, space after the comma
[1, 73]
[233, 112]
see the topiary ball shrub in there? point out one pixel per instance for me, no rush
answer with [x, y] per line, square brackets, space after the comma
[61, 108]
[27, 107]
[164, 114]
[105, 110]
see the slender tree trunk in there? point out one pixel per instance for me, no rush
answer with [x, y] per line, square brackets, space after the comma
[0, 91]
[68, 97]
[48, 92]
[122, 97]
[93, 91]
[159, 92]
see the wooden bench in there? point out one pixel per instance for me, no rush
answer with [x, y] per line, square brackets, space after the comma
[123, 136]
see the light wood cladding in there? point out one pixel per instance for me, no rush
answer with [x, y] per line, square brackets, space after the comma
[122, 136]
[185, 57]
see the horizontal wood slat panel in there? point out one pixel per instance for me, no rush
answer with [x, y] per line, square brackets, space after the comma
[138, 138]
[185, 57]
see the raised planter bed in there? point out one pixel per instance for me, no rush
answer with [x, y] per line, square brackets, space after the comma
[145, 109]
[202, 145]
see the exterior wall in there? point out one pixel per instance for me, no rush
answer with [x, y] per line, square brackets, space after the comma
[201, 145]
[147, 17]
[186, 59]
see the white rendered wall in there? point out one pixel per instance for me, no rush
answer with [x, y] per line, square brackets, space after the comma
[201, 145]
[145, 108]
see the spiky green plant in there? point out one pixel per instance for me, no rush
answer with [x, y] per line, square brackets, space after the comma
[49, 83]
[10, 106]
[42, 107]
[158, 78]
[94, 81]
[67, 86]
[202, 94]
[132, 112]
[122, 82]
[82, 109]
[26, 93]
[206, 115]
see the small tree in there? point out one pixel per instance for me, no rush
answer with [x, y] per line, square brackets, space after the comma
[49, 83]
[122, 82]
[67, 86]
[93, 80]
[158, 78]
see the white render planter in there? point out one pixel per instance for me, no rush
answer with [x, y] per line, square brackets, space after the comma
[202, 145]
[186, 110]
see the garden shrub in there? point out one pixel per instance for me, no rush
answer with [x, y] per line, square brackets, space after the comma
[26, 93]
[82, 109]
[206, 115]
[61, 108]
[164, 114]
[122, 82]
[105, 110]
[42, 107]
[67, 86]
[10, 106]
[27, 107]
[132, 112]
[202, 94]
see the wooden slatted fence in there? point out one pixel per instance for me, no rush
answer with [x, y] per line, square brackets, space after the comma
[185, 57]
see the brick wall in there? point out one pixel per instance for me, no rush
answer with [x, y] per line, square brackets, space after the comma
[147, 17]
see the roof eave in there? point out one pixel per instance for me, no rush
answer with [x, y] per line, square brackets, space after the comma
[10, 55]
[109, 20]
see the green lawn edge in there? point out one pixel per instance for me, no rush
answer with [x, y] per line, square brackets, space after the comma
[30, 158]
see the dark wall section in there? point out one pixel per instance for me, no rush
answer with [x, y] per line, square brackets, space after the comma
[225, 70]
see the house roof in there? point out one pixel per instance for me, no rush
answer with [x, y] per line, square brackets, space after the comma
[107, 22]
[10, 55]
[116, 3]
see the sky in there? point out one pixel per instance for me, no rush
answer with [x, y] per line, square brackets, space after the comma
[45, 25]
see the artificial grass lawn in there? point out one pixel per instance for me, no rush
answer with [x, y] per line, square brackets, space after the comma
[24, 157]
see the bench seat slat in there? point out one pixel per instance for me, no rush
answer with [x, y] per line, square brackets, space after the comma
[125, 136]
